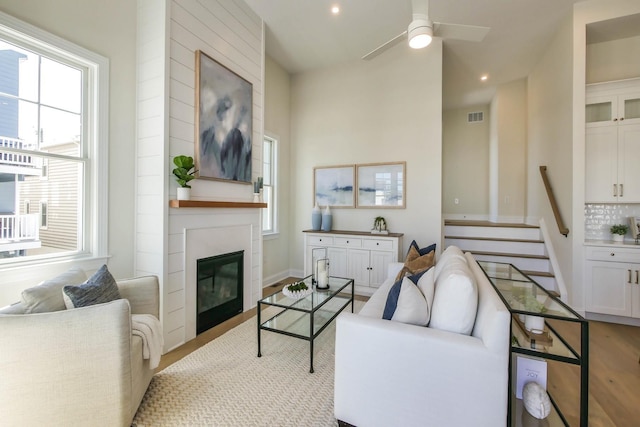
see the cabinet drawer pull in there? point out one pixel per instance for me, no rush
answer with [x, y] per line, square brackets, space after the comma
[612, 254]
[621, 190]
[629, 271]
[615, 190]
[637, 277]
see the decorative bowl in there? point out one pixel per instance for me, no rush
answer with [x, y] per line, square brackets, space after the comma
[296, 294]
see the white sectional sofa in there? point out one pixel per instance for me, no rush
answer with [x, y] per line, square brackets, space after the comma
[390, 373]
[76, 367]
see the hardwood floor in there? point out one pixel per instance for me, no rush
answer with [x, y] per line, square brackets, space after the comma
[614, 369]
[614, 376]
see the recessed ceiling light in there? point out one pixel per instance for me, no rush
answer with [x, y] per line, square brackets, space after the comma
[335, 10]
[484, 77]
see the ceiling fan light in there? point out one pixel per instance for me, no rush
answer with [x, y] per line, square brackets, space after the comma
[420, 33]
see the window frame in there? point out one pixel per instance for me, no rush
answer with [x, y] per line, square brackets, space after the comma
[93, 233]
[272, 207]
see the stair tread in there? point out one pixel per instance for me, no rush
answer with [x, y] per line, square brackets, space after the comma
[538, 273]
[511, 255]
[471, 223]
[498, 239]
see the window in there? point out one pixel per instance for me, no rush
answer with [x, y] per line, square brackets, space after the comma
[43, 214]
[53, 145]
[269, 168]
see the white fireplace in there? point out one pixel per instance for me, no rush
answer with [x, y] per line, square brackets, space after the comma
[201, 232]
[207, 242]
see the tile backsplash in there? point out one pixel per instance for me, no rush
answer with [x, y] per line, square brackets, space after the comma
[600, 216]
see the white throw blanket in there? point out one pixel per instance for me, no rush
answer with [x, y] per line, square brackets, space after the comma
[148, 328]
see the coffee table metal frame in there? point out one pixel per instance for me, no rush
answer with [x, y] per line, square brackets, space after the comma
[307, 317]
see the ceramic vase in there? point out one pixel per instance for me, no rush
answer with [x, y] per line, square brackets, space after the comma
[184, 193]
[534, 324]
[316, 218]
[326, 219]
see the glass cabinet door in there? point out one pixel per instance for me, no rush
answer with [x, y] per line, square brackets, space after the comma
[601, 111]
[629, 106]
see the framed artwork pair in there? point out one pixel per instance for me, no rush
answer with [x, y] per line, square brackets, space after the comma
[371, 185]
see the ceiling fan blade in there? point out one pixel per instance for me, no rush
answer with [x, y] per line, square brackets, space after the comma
[472, 33]
[377, 51]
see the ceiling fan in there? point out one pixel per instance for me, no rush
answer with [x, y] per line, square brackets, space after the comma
[422, 29]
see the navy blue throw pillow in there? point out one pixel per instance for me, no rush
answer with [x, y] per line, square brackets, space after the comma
[423, 251]
[392, 300]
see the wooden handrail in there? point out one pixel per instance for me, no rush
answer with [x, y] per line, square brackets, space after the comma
[554, 205]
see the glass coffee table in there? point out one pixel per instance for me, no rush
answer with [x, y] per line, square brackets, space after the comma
[307, 317]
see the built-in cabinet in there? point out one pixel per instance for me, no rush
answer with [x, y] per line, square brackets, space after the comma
[613, 142]
[612, 280]
[360, 256]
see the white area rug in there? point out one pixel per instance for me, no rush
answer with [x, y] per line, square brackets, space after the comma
[224, 383]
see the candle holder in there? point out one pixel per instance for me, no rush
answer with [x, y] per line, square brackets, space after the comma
[318, 254]
[322, 273]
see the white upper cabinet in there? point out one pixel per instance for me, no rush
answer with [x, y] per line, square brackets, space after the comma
[613, 142]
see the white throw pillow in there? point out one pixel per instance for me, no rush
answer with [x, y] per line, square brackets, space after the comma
[449, 254]
[406, 304]
[455, 301]
[426, 284]
[47, 296]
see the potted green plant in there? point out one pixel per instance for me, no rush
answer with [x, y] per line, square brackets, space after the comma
[184, 172]
[618, 231]
[379, 226]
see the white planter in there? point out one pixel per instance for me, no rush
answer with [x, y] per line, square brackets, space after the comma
[534, 324]
[618, 237]
[184, 193]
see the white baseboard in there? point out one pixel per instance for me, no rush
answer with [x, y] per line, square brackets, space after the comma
[275, 278]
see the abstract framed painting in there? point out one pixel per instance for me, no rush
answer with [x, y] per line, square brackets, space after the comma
[224, 115]
[381, 185]
[333, 186]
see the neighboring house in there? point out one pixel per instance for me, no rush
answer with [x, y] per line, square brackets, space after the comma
[18, 228]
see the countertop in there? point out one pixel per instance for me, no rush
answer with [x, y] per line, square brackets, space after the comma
[628, 243]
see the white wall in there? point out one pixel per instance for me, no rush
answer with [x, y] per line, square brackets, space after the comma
[383, 110]
[108, 29]
[169, 34]
[511, 139]
[277, 124]
[465, 147]
[613, 60]
[550, 105]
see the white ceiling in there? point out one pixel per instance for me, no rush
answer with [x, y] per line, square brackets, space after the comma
[303, 34]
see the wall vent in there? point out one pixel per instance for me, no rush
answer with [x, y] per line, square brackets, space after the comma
[475, 117]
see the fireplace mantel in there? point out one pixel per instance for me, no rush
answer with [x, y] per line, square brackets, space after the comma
[214, 204]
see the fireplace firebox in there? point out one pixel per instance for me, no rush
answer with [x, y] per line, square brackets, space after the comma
[219, 289]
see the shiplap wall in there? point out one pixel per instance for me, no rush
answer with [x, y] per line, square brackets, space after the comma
[232, 34]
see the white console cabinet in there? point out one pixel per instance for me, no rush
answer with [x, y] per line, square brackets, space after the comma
[361, 256]
[613, 280]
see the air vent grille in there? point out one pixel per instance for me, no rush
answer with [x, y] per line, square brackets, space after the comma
[475, 117]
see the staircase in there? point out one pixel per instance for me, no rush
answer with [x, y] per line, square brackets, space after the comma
[518, 244]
